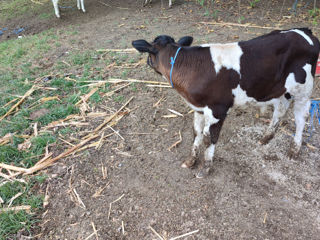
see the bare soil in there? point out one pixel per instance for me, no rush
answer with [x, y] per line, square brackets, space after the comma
[253, 191]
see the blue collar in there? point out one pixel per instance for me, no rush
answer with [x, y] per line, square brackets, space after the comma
[173, 60]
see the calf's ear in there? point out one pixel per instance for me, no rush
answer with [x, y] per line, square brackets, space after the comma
[143, 46]
[185, 41]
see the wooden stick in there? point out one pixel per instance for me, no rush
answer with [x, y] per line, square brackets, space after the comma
[265, 217]
[8, 103]
[117, 80]
[35, 129]
[237, 25]
[94, 230]
[6, 177]
[116, 132]
[117, 50]
[13, 168]
[65, 141]
[16, 208]
[184, 235]
[160, 86]
[108, 94]
[122, 224]
[79, 199]
[92, 144]
[175, 112]
[91, 235]
[87, 96]
[14, 197]
[154, 231]
[119, 198]
[176, 143]
[27, 94]
[44, 158]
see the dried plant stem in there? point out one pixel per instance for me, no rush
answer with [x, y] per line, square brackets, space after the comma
[155, 232]
[52, 160]
[27, 94]
[16, 208]
[111, 117]
[118, 199]
[125, 50]
[237, 25]
[184, 235]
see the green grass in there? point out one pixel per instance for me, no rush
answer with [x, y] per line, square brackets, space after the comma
[12, 222]
[20, 69]
[16, 8]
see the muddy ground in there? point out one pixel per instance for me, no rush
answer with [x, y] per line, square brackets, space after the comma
[253, 191]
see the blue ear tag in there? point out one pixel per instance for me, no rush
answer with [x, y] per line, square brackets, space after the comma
[172, 61]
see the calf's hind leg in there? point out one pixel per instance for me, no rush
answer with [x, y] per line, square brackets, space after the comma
[301, 84]
[280, 109]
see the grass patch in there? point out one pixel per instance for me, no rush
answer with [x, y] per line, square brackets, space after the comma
[16, 8]
[12, 222]
[20, 69]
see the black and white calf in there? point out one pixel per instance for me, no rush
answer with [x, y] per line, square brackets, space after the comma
[272, 69]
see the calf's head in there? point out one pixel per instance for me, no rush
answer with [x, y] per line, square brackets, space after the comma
[161, 49]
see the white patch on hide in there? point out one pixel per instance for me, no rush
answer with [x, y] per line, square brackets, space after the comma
[209, 153]
[241, 97]
[209, 119]
[301, 33]
[198, 124]
[298, 90]
[225, 55]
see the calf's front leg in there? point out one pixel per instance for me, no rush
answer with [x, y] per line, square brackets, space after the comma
[214, 129]
[209, 119]
[198, 124]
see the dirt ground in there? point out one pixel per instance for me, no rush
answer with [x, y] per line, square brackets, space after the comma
[253, 191]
